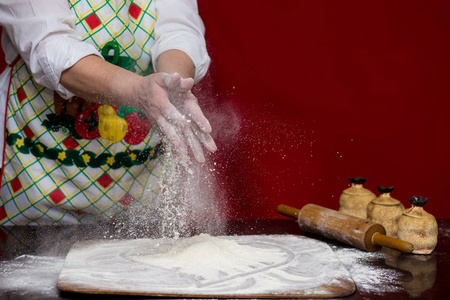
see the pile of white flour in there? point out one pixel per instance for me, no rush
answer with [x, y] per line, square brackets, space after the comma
[205, 256]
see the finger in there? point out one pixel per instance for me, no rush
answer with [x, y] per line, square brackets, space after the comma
[175, 143]
[172, 80]
[206, 139]
[193, 111]
[173, 116]
[186, 84]
[195, 146]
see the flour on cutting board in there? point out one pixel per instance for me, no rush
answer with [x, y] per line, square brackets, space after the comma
[228, 266]
[212, 258]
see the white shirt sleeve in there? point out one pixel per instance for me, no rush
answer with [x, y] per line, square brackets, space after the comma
[179, 26]
[43, 33]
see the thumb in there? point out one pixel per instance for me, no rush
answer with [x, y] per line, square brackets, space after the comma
[172, 80]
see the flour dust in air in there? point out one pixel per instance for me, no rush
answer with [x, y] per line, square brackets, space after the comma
[187, 194]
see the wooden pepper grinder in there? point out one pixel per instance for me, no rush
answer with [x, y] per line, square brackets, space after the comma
[418, 227]
[385, 210]
[354, 200]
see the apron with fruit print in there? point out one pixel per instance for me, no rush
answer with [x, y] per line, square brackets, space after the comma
[71, 162]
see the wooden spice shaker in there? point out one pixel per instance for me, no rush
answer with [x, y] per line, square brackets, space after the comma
[354, 200]
[418, 227]
[385, 210]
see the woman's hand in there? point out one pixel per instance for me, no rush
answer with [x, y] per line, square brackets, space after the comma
[165, 98]
[168, 101]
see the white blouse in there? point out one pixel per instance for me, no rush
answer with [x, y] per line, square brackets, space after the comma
[43, 33]
[31, 27]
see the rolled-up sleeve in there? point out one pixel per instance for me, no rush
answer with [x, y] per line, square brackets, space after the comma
[179, 26]
[43, 33]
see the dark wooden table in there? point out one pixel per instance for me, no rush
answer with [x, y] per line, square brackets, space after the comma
[31, 257]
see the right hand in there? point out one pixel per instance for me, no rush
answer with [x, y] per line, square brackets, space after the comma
[167, 101]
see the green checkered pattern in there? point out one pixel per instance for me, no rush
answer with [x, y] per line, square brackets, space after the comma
[41, 190]
[135, 36]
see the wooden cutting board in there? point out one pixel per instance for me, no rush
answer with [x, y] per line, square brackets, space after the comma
[253, 266]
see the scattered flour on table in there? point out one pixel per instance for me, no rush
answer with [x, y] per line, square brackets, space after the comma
[369, 278]
[35, 277]
[32, 276]
[444, 232]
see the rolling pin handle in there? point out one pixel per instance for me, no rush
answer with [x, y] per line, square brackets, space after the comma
[396, 244]
[288, 211]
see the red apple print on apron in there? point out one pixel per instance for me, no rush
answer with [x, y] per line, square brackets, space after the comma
[138, 128]
[86, 124]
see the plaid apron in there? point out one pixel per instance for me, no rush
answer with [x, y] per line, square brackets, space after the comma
[65, 169]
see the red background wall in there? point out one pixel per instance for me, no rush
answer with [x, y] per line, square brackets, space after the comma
[304, 94]
[326, 90]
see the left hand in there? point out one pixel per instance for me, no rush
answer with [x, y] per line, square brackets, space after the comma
[197, 133]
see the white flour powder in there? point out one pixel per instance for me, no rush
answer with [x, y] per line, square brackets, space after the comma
[444, 232]
[30, 277]
[368, 276]
[205, 256]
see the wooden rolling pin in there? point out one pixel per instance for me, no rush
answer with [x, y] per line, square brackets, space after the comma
[354, 231]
